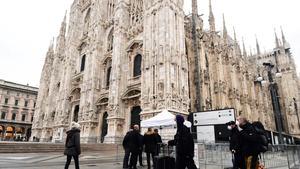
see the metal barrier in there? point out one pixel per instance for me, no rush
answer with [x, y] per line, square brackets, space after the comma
[218, 156]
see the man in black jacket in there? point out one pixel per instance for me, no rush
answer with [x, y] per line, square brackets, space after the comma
[249, 143]
[134, 145]
[126, 149]
[183, 140]
[158, 141]
[235, 145]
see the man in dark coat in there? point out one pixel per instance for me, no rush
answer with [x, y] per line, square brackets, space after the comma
[249, 144]
[150, 146]
[126, 149]
[72, 146]
[235, 145]
[158, 141]
[183, 140]
[134, 145]
[140, 156]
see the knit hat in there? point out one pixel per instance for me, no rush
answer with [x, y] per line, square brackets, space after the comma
[179, 120]
[75, 125]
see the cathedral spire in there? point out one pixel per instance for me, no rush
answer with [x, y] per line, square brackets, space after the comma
[225, 35]
[211, 18]
[63, 26]
[194, 7]
[276, 39]
[234, 34]
[283, 36]
[244, 49]
[257, 46]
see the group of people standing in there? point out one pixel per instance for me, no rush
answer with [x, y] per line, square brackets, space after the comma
[134, 143]
[247, 141]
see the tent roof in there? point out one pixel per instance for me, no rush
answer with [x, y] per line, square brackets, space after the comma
[165, 118]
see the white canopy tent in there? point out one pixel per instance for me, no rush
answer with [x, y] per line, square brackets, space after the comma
[163, 119]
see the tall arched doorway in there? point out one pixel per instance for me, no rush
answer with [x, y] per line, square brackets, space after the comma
[75, 115]
[135, 115]
[104, 126]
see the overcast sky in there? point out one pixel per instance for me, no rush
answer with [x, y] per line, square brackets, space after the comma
[27, 27]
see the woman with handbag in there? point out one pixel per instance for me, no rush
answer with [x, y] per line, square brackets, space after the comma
[72, 146]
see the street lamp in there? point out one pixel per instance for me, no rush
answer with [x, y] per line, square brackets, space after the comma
[275, 98]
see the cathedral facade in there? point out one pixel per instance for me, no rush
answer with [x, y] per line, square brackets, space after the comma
[117, 62]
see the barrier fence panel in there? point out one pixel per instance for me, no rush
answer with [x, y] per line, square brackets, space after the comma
[218, 156]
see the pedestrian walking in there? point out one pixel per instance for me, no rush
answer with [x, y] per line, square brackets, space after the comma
[158, 142]
[72, 146]
[249, 143]
[183, 140]
[150, 146]
[235, 145]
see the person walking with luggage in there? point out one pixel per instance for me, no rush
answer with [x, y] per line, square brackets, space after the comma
[72, 146]
[150, 146]
[126, 149]
[235, 145]
[183, 140]
[249, 143]
[158, 141]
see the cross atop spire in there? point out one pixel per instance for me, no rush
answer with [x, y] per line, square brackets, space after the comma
[211, 18]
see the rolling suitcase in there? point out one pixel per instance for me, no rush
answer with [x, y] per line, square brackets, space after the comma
[165, 162]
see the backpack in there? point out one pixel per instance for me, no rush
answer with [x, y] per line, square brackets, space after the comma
[262, 136]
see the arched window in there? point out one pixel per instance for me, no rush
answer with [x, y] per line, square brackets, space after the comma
[3, 115]
[137, 65]
[13, 117]
[82, 63]
[108, 76]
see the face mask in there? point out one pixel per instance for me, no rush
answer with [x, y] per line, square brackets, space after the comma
[229, 127]
[237, 123]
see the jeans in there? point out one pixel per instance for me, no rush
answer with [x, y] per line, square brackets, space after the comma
[237, 161]
[75, 157]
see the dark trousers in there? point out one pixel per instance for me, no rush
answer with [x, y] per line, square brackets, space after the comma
[152, 154]
[126, 158]
[185, 162]
[141, 157]
[237, 161]
[133, 159]
[75, 157]
[251, 162]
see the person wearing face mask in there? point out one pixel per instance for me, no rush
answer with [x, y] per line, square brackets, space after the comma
[249, 143]
[235, 145]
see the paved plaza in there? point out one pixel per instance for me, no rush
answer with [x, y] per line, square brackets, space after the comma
[57, 161]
